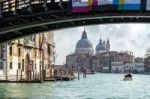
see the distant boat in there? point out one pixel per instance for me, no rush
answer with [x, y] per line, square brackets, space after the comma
[128, 77]
[90, 72]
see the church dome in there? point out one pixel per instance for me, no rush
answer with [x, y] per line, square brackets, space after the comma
[84, 44]
[101, 46]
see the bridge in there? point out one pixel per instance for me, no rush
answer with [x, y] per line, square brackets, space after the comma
[19, 18]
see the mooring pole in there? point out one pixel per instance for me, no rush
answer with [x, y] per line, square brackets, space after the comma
[78, 73]
[85, 72]
[61, 74]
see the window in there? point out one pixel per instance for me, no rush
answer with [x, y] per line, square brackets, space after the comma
[49, 50]
[49, 66]
[35, 53]
[10, 65]
[19, 65]
[10, 51]
[1, 65]
[35, 66]
[22, 64]
[19, 52]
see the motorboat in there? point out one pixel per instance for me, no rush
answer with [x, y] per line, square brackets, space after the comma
[90, 72]
[128, 77]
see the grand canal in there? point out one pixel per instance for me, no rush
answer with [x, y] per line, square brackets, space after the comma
[97, 86]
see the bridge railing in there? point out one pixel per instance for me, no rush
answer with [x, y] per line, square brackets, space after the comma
[17, 7]
[12, 5]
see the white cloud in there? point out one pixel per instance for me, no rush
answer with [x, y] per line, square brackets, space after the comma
[133, 37]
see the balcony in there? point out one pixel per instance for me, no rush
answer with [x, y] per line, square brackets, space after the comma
[21, 41]
[12, 42]
[36, 45]
[29, 43]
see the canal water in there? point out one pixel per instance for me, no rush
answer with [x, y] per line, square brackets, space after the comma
[96, 86]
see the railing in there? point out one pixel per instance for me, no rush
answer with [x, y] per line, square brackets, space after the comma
[21, 41]
[29, 43]
[14, 5]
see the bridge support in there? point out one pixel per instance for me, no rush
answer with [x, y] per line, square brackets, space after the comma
[0, 14]
[60, 4]
[45, 5]
[29, 7]
[1, 9]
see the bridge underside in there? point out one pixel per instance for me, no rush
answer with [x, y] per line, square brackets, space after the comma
[31, 23]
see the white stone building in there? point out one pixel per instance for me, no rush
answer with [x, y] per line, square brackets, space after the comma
[117, 67]
[134, 67]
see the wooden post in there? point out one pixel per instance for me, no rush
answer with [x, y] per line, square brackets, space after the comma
[61, 74]
[29, 74]
[49, 73]
[55, 74]
[78, 73]
[40, 72]
[73, 72]
[44, 74]
[33, 74]
[85, 72]
[17, 74]
[21, 74]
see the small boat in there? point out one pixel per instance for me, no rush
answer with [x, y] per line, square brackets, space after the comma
[128, 77]
[90, 72]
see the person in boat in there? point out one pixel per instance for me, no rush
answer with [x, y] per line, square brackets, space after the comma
[128, 75]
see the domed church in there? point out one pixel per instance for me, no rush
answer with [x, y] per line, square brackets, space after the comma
[101, 61]
[102, 47]
[84, 45]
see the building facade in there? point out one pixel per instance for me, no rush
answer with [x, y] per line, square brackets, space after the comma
[147, 64]
[134, 67]
[28, 58]
[83, 54]
[117, 67]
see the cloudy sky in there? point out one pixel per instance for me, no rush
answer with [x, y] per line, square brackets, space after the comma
[123, 37]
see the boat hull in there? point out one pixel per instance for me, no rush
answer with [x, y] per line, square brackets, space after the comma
[127, 79]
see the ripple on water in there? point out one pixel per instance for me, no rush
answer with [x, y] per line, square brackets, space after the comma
[97, 86]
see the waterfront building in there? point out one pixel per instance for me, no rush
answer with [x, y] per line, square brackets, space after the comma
[28, 58]
[83, 54]
[147, 64]
[102, 60]
[134, 67]
[117, 67]
[138, 59]
[126, 57]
